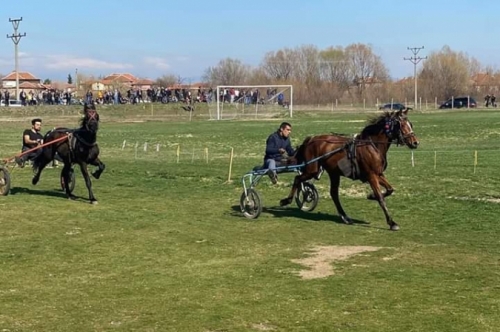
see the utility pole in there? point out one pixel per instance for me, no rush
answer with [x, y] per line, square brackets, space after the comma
[415, 60]
[16, 38]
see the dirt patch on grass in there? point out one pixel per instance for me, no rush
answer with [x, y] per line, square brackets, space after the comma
[495, 200]
[321, 259]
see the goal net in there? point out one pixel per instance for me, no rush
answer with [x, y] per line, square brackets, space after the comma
[252, 101]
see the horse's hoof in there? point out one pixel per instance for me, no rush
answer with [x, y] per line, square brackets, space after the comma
[394, 227]
[71, 197]
[34, 181]
[371, 197]
[346, 220]
[94, 202]
[96, 175]
[285, 201]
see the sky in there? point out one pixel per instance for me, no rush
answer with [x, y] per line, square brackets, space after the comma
[152, 38]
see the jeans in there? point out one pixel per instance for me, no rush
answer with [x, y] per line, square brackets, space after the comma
[270, 164]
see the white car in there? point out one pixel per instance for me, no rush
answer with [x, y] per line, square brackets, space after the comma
[12, 103]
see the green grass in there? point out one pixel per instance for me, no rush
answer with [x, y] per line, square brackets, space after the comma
[166, 249]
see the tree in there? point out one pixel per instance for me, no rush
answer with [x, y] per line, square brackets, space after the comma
[168, 80]
[279, 65]
[47, 81]
[365, 65]
[447, 73]
[227, 72]
[70, 79]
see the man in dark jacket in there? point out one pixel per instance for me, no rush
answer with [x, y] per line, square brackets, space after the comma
[277, 145]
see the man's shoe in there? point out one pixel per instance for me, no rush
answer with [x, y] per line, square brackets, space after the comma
[273, 176]
[19, 162]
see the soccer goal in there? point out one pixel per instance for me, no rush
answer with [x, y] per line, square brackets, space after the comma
[252, 101]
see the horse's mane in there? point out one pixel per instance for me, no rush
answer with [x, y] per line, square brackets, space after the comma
[375, 124]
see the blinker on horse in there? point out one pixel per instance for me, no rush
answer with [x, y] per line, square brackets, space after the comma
[361, 158]
[80, 148]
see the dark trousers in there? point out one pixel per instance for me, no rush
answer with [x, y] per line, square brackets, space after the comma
[30, 156]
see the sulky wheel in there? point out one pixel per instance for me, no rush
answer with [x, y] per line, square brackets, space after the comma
[71, 180]
[4, 181]
[307, 197]
[250, 204]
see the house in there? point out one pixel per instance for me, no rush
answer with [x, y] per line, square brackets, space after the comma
[27, 81]
[485, 82]
[120, 81]
[143, 84]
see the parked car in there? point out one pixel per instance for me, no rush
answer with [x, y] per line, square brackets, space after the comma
[459, 103]
[12, 103]
[394, 106]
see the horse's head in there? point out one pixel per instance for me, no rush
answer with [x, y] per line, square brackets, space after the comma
[90, 119]
[399, 128]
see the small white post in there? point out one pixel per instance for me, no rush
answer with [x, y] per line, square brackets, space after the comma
[157, 147]
[145, 146]
[123, 145]
[412, 160]
[230, 165]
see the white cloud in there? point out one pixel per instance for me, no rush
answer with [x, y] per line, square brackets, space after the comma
[64, 61]
[157, 62]
[182, 58]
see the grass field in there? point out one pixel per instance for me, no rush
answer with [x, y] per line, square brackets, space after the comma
[167, 249]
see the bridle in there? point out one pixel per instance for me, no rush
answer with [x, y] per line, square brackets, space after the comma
[91, 116]
[399, 138]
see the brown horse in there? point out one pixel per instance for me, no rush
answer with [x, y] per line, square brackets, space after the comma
[363, 158]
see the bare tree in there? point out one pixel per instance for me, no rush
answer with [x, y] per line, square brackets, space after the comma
[366, 67]
[168, 80]
[279, 65]
[228, 71]
[334, 70]
[447, 73]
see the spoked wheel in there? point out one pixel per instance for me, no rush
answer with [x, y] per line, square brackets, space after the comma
[307, 197]
[250, 205]
[4, 181]
[71, 180]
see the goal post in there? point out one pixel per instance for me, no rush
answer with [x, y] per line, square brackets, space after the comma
[258, 101]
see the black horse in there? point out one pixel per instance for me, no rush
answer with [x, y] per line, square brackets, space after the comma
[79, 147]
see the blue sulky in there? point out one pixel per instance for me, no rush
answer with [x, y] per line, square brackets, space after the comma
[250, 202]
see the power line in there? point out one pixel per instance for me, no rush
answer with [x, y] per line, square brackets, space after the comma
[16, 38]
[415, 60]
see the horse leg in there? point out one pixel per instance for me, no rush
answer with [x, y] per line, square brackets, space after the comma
[375, 185]
[38, 171]
[88, 182]
[66, 173]
[334, 193]
[384, 183]
[101, 167]
[296, 183]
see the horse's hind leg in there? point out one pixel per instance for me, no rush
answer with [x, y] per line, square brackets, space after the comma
[88, 182]
[66, 173]
[101, 167]
[375, 185]
[296, 183]
[38, 170]
[334, 193]
[384, 183]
